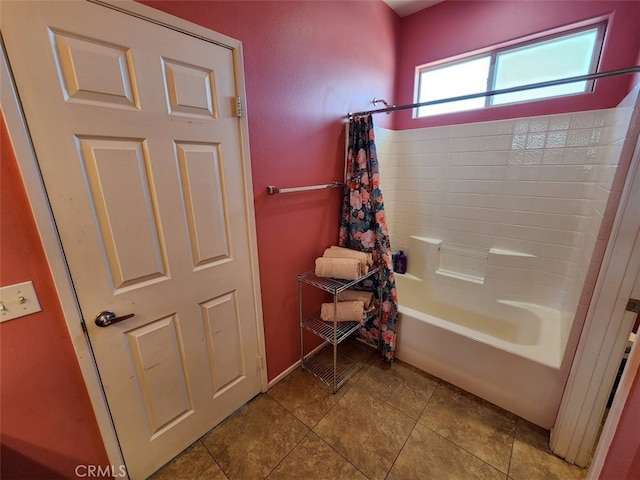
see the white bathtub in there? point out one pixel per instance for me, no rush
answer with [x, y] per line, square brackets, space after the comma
[509, 355]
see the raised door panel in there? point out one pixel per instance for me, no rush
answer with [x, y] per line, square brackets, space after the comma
[122, 196]
[224, 341]
[205, 203]
[190, 89]
[157, 355]
[94, 71]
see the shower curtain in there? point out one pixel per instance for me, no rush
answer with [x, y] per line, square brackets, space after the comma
[364, 228]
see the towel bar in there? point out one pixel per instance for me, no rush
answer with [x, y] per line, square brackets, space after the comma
[272, 190]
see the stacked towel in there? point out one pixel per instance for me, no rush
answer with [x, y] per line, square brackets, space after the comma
[344, 268]
[356, 295]
[340, 252]
[344, 263]
[345, 311]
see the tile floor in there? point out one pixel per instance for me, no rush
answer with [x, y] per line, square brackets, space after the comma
[389, 422]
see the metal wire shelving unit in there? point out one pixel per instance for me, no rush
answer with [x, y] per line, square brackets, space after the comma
[333, 370]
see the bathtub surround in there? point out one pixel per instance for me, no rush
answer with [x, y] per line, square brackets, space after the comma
[508, 211]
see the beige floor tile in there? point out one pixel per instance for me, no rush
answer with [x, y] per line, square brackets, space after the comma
[476, 425]
[305, 396]
[532, 459]
[399, 384]
[194, 462]
[252, 442]
[368, 432]
[427, 455]
[313, 459]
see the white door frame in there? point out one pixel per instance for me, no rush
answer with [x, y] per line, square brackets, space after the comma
[606, 329]
[613, 418]
[41, 210]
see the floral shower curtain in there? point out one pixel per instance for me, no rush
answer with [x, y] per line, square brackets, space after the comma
[364, 228]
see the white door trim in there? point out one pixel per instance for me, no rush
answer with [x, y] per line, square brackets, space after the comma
[613, 418]
[606, 327]
[41, 210]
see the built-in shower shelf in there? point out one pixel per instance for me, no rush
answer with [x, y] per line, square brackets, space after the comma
[431, 241]
[409, 276]
[461, 276]
[509, 253]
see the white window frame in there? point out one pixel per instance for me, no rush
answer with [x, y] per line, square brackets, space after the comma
[599, 23]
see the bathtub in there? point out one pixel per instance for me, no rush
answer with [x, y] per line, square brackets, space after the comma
[504, 351]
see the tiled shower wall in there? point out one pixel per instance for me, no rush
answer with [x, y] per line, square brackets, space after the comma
[512, 207]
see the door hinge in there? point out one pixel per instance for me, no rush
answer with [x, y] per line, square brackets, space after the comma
[238, 107]
[633, 305]
[261, 364]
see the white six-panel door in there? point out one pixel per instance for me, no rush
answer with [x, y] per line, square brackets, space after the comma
[136, 134]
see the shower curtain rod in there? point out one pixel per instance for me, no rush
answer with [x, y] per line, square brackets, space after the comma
[549, 83]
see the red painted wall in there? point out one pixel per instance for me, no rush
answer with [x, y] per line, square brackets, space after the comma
[47, 423]
[455, 27]
[307, 64]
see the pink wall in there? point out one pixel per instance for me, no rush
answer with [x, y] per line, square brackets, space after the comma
[456, 27]
[47, 423]
[307, 64]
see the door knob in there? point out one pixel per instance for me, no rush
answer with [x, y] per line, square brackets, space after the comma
[106, 318]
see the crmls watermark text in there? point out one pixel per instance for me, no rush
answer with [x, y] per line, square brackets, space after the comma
[100, 471]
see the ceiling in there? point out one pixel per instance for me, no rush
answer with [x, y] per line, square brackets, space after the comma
[407, 7]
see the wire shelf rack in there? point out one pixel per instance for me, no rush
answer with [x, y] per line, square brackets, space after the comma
[324, 370]
[334, 285]
[324, 329]
[333, 367]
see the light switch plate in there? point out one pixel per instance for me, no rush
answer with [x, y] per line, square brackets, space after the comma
[18, 300]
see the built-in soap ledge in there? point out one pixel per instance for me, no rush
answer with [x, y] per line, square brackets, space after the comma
[461, 276]
[510, 258]
[409, 276]
[509, 253]
[429, 240]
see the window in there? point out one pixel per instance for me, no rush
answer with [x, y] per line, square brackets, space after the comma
[569, 54]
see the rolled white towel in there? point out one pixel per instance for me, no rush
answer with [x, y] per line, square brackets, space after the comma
[341, 252]
[344, 268]
[346, 311]
[351, 295]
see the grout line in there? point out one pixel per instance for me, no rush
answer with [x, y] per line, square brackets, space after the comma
[401, 449]
[290, 451]
[342, 456]
[224, 472]
[513, 442]
[467, 451]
